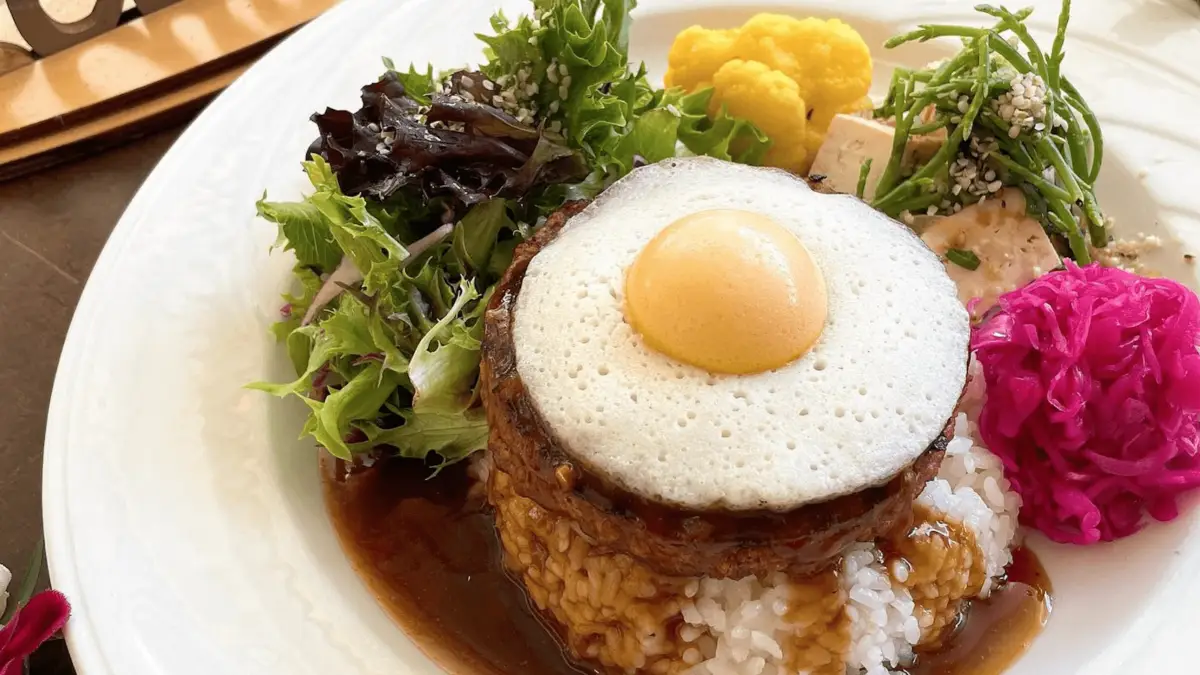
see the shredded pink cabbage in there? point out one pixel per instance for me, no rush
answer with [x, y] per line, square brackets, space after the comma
[1093, 389]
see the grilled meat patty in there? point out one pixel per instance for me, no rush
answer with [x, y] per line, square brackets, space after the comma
[670, 540]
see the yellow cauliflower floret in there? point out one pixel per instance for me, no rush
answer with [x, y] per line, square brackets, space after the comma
[752, 90]
[827, 64]
[696, 55]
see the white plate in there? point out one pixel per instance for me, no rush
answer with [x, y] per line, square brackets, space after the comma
[183, 518]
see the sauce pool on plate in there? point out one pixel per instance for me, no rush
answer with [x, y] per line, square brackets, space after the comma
[428, 551]
[995, 632]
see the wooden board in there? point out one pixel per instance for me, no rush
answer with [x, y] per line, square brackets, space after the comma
[136, 77]
[61, 10]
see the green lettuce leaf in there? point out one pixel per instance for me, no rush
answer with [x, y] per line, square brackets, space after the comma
[611, 114]
[359, 400]
[453, 436]
[419, 85]
[349, 328]
[297, 304]
[320, 174]
[445, 364]
[302, 230]
[476, 236]
[722, 136]
[509, 44]
[310, 350]
[362, 237]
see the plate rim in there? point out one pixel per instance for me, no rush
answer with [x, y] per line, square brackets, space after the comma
[88, 656]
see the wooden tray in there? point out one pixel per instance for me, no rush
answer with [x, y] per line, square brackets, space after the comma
[147, 72]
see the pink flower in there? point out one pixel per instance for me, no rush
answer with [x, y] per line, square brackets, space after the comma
[1093, 394]
[40, 618]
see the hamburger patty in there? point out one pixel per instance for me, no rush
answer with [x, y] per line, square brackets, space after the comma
[670, 540]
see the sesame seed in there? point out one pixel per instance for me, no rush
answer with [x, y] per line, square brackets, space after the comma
[963, 105]
[468, 96]
[489, 85]
[497, 101]
[556, 126]
[956, 189]
[564, 92]
[562, 69]
[373, 128]
[381, 148]
[1014, 131]
[467, 82]
[533, 40]
[531, 89]
[990, 175]
[553, 107]
[522, 113]
[907, 218]
[995, 186]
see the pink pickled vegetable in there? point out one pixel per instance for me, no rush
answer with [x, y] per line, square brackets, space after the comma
[1093, 390]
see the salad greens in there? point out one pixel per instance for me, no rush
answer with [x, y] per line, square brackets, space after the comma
[1009, 117]
[420, 198]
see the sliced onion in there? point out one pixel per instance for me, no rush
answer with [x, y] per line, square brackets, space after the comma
[347, 273]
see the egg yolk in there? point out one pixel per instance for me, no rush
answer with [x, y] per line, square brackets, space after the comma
[728, 291]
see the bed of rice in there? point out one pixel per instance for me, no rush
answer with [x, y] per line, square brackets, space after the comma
[866, 617]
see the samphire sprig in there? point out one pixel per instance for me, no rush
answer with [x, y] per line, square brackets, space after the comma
[1008, 114]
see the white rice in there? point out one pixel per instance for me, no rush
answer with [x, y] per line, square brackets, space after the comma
[740, 627]
[971, 489]
[883, 628]
[743, 622]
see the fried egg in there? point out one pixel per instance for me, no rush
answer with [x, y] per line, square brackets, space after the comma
[710, 335]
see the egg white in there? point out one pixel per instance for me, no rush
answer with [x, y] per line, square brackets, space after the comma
[868, 399]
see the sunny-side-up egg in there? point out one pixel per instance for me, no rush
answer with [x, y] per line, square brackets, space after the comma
[707, 335]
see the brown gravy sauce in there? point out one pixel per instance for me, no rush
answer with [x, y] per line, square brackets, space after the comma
[428, 551]
[995, 632]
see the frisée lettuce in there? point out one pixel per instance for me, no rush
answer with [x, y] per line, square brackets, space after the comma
[420, 198]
